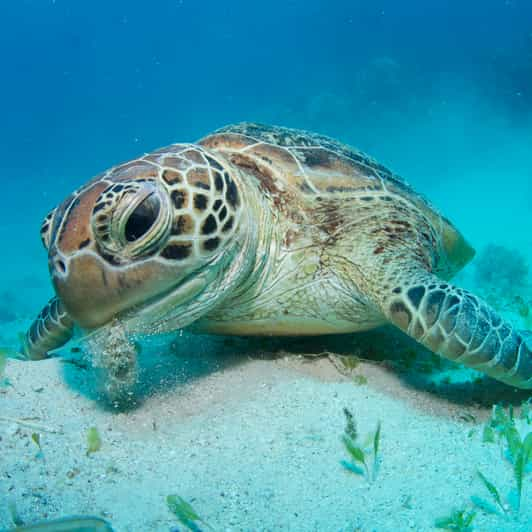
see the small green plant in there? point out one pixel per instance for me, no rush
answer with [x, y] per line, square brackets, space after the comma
[502, 428]
[364, 456]
[350, 362]
[494, 492]
[185, 513]
[406, 502]
[94, 442]
[526, 411]
[458, 520]
[360, 380]
[36, 439]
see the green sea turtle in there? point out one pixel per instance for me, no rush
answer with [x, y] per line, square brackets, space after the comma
[259, 230]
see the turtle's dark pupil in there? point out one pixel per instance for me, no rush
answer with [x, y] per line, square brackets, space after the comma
[142, 218]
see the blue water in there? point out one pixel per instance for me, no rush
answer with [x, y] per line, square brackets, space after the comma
[440, 91]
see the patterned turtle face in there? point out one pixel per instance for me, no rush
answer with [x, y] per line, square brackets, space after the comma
[136, 233]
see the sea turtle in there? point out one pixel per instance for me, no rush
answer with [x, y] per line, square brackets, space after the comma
[262, 230]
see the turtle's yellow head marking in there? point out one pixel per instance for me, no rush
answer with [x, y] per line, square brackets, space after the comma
[140, 232]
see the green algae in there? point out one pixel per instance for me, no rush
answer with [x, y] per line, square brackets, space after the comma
[502, 429]
[459, 520]
[526, 411]
[185, 513]
[360, 380]
[362, 455]
[493, 491]
[36, 439]
[94, 441]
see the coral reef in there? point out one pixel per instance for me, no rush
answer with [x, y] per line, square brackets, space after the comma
[501, 269]
[502, 278]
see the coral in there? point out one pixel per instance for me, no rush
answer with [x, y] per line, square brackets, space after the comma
[501, 269]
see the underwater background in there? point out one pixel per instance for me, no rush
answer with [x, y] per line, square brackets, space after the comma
[440, 91]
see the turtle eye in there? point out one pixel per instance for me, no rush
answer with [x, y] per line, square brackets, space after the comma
[142, 218]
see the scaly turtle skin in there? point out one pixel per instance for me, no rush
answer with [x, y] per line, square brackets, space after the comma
[259, 230]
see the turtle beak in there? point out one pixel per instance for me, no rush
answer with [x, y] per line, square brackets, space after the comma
[93, 293]
[84, 290]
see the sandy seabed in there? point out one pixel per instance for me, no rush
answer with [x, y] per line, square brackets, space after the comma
[253, 443]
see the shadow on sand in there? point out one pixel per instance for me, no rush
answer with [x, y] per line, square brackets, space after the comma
[169, 362]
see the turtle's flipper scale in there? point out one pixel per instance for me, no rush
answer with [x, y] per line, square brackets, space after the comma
[51, 329]
[460, 326]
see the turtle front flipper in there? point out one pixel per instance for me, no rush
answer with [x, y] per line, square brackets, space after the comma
[459, 326]
[52, 328]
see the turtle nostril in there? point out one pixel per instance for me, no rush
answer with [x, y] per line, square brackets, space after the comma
[57, 263]
[60, 265]
[142, 218]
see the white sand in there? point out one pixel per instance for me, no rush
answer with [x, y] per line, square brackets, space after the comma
[252, 444]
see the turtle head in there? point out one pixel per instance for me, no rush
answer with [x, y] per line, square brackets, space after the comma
[149, 241]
